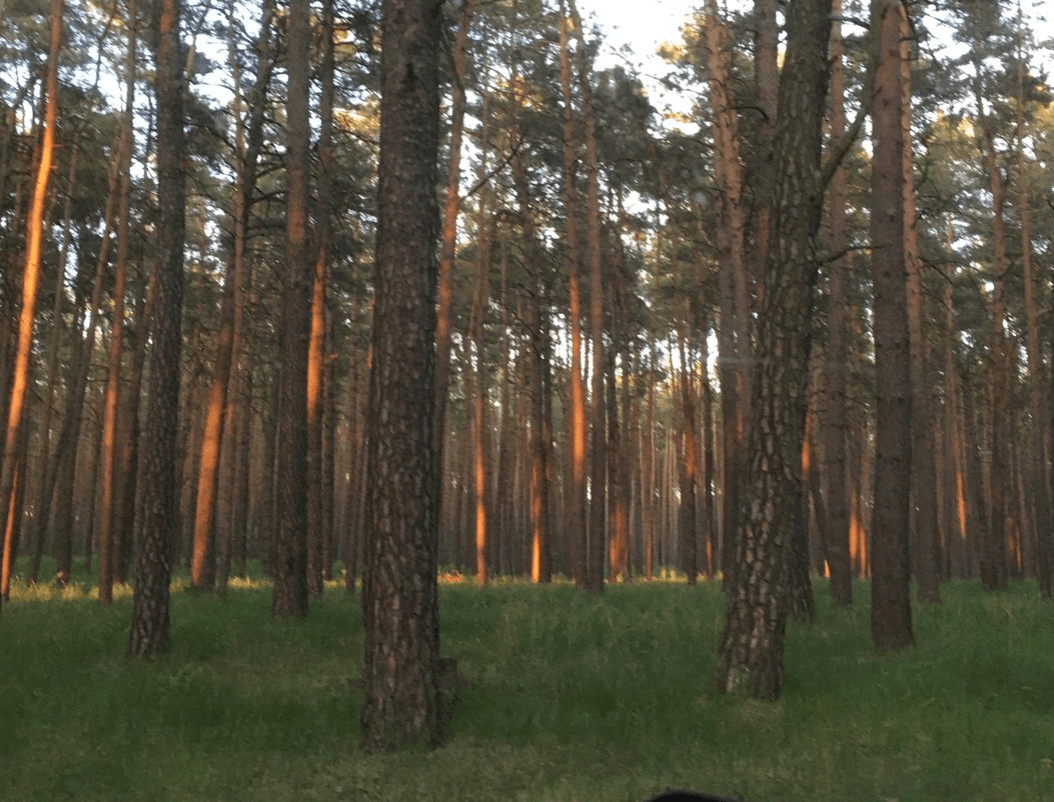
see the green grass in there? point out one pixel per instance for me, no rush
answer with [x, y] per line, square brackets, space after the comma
[576, 699]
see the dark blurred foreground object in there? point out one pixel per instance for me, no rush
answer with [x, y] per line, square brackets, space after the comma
[681, 795]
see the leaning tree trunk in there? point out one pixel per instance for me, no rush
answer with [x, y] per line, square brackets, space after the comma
[10, 468]
[750, 656]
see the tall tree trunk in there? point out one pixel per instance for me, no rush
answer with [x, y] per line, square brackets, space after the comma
[1039, 489]
[10, 464]
[688, 536]
[750, 656]
[319, 530]
[577, 490]
[594, 583]
[159, 522]
[925, 546]
[400, 610]
[109, 492]
[835, 421]
[994, 557]
[733, 349]
[290, 582]
[451, 205]
[890, 600]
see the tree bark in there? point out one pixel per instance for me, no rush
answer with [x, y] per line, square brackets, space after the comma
[890, 599]
[835, 422]
[159, 522]
[750, 657]
[10, 467]
[290, 581]
[399, 601]
[577, 489]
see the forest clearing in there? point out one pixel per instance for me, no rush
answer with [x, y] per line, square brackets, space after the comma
[572, 698]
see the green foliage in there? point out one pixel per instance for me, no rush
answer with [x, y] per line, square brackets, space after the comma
[574, 698]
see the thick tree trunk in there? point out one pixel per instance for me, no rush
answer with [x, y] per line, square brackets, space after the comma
[400, 609]
[158, 525]
[750, 656]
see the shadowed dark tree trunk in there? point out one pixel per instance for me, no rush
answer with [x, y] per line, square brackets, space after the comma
[750, 656]
[290, 569]
[891, 596]
[159, 521]
[400, 609]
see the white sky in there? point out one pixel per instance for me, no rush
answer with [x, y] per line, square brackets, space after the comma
[642, 25]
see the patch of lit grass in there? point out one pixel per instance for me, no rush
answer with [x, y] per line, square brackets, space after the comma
[575, 698]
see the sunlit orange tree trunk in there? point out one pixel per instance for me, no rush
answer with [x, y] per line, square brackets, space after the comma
[9, 466]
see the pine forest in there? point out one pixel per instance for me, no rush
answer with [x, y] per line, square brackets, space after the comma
[386, 294]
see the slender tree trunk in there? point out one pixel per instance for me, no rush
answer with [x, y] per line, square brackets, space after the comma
[291, 584]
[318, 528]
[109, 493]
[733, 351]
[10, 467]
[925, 548]
[835, 422]
[688, 535]
[451, 205]
[577, 490]
[594, 583]
[891, 600]
[1039, 489]
[994, 556]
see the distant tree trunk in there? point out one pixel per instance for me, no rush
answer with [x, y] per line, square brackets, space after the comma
[598, 473]
[290, 581]
[451, 205]
[400, 610]
[109, 535]
[993, 556]
[835, 421]
[540, 431]
[478, 436]
[733, 344]
[159, 522]
[926, 544]
[231, 535]
[891, 599]
[750, 656]
[1039, 490]
[687, 520]
[576, 502]
[10, 467]
[319, 529]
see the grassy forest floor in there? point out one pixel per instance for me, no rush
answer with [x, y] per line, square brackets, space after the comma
[575, 698]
